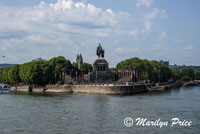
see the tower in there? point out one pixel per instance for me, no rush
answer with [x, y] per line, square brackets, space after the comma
[79, 60]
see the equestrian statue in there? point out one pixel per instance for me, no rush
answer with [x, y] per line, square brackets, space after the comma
[100, 51]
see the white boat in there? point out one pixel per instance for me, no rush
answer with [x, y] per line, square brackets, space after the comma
[4, 89]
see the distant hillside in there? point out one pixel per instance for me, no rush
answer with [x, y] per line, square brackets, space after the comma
[6, 65]
[194, 68]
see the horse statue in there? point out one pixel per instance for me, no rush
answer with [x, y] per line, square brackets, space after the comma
[100, 51]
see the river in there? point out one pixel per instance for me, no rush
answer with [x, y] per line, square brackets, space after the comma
[25, 113]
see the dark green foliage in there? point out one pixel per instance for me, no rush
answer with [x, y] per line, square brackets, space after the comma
[4, 75]
[185, 78]
[156, 71]
[75, 66]
[188, 73]
[86, 67]
[35, 72]
[176, 75]
[60, 64]
[13, 74]
[197, 75]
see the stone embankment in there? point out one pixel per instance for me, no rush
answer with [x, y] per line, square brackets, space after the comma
[112, 89]
[85, 88]
[109, 89]
[41, 89]
[164, 87]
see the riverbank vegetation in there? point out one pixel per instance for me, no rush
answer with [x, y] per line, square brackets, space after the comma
[157, 71]
[38, 72]
[51, 71]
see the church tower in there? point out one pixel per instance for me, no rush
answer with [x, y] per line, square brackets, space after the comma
[79, 61]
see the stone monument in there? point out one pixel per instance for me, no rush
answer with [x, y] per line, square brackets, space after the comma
[101, 72]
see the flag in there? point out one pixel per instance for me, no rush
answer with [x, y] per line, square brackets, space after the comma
[131, 75]
[118, 71]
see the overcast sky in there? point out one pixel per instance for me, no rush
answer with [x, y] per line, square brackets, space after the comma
[151, 29]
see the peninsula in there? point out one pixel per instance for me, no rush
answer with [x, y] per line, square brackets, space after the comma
[60, 75]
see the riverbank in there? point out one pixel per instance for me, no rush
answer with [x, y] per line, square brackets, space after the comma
[113, 89]
[165, 87]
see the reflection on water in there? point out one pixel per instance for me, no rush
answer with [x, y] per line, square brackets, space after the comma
[22, 113]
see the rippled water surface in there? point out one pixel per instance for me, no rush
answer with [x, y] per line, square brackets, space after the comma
[22, 113]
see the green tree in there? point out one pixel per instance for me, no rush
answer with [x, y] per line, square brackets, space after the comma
[86, 67]
[4, 75]
[176, 75]
[75, 66]
[197, 75]
[185, 78]
[156, 71]
[187, 73]
[36, 72]
[59, 63]
[13, 74]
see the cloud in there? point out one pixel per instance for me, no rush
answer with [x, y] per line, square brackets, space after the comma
[126, 50]
[147, 27]
[151, 15]
[154, 13]
[163, 13]
[189, 47]
[48, 30]
[67, 27]
[133, 33]
[146, 3]
[163, 35]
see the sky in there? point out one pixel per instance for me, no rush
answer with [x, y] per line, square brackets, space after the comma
[148, 29]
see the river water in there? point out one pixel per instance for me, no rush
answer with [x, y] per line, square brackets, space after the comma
[23, 113]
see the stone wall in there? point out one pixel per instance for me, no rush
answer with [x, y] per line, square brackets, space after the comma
[91, 89]
[58, 89]
[109, 89]
[20, 88]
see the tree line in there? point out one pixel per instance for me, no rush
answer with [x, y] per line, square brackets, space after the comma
[157, 71]
[39, 72]
[43, 72]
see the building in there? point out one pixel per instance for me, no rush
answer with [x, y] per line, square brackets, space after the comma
[39, 59]
[166, 63]
[79, 61]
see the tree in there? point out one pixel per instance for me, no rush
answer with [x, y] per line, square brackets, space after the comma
[185, 78]
[176, 75]
[156, 71]
[197, 75]
[86, 67]
[4, 75]
[75, 66]
[36, 72]
[188, 73]
[13, 74]
[59, 63]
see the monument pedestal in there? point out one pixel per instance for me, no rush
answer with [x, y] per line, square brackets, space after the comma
[101, 72]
